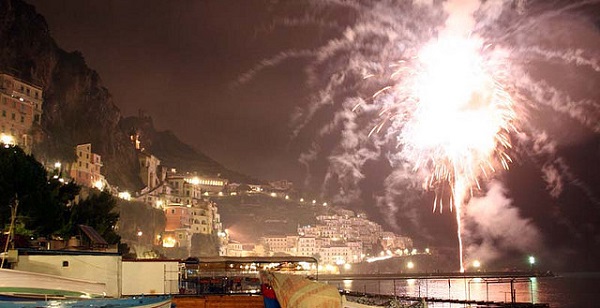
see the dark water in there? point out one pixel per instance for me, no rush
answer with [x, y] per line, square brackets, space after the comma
[564, 290]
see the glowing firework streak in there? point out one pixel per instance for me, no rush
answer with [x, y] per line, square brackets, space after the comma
[453, 116]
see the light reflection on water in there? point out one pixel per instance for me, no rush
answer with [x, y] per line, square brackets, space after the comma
[569, 290]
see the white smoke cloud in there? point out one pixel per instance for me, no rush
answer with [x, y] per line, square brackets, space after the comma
[493, 226]
[461, 20]
[553, 179]
[400, 196]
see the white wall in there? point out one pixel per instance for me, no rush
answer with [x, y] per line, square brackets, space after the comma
[150, 277]
[97, 268]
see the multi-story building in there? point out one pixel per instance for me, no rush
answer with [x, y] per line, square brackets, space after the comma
[203, 217]
[20, 111]
[86, 169]
[335, 254]
[178, 217]
[151, 173]
[307, 246]
[204, 184]
[344, 237]
[185, 191]
[287, 244]
[234, 249]
[182, 200]
[181, 238]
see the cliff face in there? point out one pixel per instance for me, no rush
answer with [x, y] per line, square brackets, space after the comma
[174, 153]
[77, 108]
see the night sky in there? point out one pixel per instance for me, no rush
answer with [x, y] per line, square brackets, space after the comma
[180, 64]
[229, 77]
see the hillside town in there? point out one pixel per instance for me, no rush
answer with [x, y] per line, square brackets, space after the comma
[190, 201]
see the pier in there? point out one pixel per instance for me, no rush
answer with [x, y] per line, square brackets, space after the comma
[433, 275]
[470, 303]
[510, 279]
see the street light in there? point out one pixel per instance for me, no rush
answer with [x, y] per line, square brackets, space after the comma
[531, 262]
[476, 265]
[410, 265]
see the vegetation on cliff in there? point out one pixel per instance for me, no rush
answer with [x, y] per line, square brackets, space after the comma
[44, 205]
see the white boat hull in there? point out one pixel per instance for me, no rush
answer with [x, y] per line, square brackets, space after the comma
[29, 284]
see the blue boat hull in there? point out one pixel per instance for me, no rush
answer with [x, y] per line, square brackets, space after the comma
[134, 302]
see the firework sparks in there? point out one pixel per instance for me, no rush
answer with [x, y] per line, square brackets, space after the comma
[455, 116]
[418, 83]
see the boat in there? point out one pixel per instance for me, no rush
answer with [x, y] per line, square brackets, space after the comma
[134, 302]
[15, 285]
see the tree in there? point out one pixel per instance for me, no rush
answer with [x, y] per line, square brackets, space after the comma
[42, 203]
[205, 245]
[97, 211]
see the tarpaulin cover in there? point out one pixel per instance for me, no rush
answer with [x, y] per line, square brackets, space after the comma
[294, 291]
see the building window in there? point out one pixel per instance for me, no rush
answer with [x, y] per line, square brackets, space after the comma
[4, 113]
[13, 116]
[172, 211]
[22, 119]
[65, 263]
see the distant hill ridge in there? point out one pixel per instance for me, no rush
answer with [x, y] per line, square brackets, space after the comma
[79, 109]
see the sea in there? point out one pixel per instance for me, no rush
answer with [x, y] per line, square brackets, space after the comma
[561, 290]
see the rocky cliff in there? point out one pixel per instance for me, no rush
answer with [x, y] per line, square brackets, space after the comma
[77, 107]
[174, 153]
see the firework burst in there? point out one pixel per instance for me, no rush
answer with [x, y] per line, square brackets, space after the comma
[443, 91]
[452, 116]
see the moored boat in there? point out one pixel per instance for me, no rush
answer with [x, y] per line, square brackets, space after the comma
[134, 302]
[15, 284]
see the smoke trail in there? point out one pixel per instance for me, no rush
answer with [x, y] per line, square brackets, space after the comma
[494, 226]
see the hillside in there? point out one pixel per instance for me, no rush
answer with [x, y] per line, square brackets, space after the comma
[250, 216]
[174, 153]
